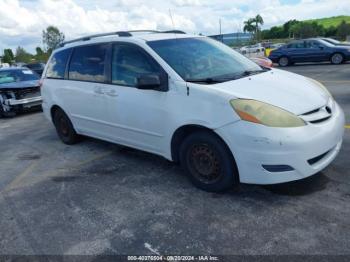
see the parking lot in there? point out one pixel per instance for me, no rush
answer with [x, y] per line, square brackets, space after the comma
[100, 198]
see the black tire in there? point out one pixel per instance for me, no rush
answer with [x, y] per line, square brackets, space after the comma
[337, 58]
[208, 162]
[4, 114]
[1, 111]
[283, 61]
[64, 128]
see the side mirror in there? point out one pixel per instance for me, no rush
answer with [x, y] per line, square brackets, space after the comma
[148, 82]
[321, 47]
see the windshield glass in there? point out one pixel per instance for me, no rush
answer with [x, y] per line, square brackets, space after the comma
[203, 58]
[331, 40]
[11, 76]
[325, 42]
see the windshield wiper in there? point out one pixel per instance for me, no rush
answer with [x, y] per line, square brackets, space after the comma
[208, 80]
[252, 72]
[213, 80]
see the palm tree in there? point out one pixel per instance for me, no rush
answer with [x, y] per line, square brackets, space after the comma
[257, 20]
[249, 25]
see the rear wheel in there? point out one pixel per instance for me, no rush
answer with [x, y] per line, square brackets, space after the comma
[64, 128]
[337, 58]
[283, 61]
[208, 162]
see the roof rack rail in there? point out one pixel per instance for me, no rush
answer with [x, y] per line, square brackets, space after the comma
[143, 31]
[120, 33]
[86, 38]
[173, 32]
[156, 31]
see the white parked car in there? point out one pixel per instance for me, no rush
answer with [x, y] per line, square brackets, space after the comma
[252, 49]
[195, 101]
[4, 65]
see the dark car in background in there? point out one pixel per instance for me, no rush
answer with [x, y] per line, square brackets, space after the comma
[36, 67]
[310, 50]
[19, 90]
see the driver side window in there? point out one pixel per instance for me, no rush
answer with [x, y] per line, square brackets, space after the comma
[130, 62]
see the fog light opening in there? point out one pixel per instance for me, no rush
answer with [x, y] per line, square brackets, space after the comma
[277, 168]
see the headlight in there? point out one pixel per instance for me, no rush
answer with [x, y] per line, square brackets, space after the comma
[321, 86]
[265, 114]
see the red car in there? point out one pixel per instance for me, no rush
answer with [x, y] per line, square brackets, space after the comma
[262, 61]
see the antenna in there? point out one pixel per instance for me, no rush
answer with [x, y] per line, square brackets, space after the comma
[172, 21]
[171, 17]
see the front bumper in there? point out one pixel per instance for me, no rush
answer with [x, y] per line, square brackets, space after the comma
[26, 102]
[255, 146]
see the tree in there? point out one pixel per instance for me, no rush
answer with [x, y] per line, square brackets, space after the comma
[258, 20]
[343, 30]
[249, 26]
[52, 38]
[331, 31]
[307, 29]
[288, 26]
[8, 56]
[40, 55]
[22, 55]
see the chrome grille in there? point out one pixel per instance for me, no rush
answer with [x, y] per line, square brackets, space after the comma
[319, 115]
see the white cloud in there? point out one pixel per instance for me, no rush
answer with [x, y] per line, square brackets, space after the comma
[187, 2]
[22, 22]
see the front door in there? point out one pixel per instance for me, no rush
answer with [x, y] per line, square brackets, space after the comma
[315, 51]
[139, 117]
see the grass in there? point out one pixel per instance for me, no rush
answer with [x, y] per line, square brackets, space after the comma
[330, 21]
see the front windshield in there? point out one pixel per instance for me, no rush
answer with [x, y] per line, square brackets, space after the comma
[11, 76]
[202, 58]
[325, 43]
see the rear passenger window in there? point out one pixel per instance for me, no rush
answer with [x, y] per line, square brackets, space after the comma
[88, 63]
[296, 45]
[130, 62]
[312, 44]
[57, 65]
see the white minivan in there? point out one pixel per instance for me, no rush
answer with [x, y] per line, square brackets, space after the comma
[195, 101]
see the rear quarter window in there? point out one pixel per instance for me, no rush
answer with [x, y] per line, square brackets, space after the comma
[57, 66]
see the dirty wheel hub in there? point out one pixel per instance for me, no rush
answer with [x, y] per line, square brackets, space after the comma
[205, 163]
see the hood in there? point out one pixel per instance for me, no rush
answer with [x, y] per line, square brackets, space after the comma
[346, 44]
[289, 91]
[19, 85]
[342, 46]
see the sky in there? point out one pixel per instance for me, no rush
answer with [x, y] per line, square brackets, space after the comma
[22, 21]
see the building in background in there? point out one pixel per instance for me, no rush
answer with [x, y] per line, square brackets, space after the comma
[233, 39]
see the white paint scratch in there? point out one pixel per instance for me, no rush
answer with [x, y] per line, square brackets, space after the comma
[153, 250]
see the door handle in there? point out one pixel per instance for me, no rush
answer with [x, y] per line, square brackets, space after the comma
[112, 93]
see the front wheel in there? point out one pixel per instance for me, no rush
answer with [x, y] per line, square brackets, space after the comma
[1, 111]
[208, 162]
[337, 59]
